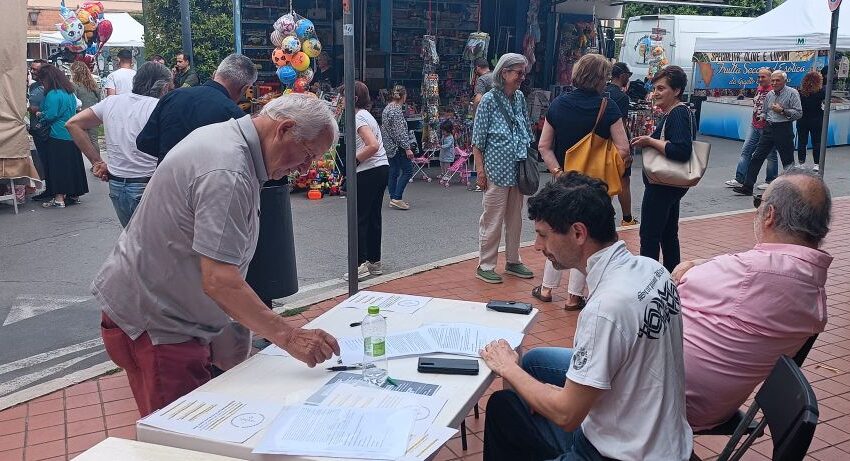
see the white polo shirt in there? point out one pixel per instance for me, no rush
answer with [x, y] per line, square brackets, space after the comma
[628, 342]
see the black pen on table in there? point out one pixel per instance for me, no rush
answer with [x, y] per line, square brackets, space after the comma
[355, 324]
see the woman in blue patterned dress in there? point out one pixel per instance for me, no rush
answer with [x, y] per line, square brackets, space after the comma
[500, 137]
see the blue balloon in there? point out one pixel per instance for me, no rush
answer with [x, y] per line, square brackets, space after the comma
[287, 75]
[92, 49]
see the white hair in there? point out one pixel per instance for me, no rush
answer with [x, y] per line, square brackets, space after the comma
[507, 61]
[238, 70]
[312, 116]
[781, 74]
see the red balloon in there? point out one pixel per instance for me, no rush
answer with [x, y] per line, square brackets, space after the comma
[104, 31]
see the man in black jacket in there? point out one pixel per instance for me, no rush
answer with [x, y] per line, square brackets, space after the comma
[616, 93]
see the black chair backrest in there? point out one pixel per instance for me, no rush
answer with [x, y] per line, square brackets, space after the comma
[790, 409]
[801, 355]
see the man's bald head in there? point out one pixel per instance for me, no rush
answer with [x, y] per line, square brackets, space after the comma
[800, 206]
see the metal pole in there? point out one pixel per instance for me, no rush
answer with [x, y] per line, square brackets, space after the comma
[186, 30]
[830, 66]
[350, 159]
[237, 25]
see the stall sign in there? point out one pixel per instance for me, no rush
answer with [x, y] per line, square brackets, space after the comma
[733, 73]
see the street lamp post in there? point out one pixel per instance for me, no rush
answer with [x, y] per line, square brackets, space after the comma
[350, 159]
[830, 66]
[186, 31]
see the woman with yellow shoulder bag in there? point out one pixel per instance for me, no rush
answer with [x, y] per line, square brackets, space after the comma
[583, 132]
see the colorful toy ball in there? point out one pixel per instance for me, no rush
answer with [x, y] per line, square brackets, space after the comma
[290, 45]
[300, 85]
[279, 58]
[305, 29]
[307, 75]
[277, 38]
[285, 24]
[312, 47]
[287, 75]
[300, 61]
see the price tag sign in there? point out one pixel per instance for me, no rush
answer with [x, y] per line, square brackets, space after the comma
[833, 4]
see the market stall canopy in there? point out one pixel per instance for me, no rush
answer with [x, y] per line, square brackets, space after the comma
[600, 8]
[796, 25]
[127, 32]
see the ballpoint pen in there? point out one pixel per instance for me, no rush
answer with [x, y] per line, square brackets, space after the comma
[392, 382]
[345, 367]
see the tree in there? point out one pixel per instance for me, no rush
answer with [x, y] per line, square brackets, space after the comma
[212, 31]
[758, 8]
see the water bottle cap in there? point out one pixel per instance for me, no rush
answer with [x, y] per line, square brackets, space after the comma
[373, 310]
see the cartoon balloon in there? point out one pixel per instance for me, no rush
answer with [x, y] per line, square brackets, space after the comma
[285, 24]
[287, 75]
[84, 16]
[300, 85]
[307, 75]
[300, 61]
[71, 28]
[312, 46]
[290, 45]
[277, 38]
[89, 30]
[91, 49]
[305, 29]
[104, 31]
[279, 58]
[95, 9]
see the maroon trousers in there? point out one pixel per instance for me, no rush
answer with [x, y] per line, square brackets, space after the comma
[158, 374]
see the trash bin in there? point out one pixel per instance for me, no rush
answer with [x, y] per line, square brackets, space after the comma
[272, 273]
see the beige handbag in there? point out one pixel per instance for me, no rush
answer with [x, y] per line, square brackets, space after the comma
[661, 170]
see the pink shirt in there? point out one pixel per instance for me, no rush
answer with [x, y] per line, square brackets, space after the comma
[740, 313]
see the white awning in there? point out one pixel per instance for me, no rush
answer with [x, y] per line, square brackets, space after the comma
[126, 32]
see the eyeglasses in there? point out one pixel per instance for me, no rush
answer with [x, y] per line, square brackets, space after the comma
[308, 159]
[520, 73]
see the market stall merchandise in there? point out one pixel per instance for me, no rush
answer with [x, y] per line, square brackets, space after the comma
[792, 37]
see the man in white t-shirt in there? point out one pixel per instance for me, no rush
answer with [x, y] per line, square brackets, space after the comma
[121, 80]
[619, 393]
[123, 118]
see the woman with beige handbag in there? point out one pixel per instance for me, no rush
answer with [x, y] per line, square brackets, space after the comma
[581, 120]
[670, 146]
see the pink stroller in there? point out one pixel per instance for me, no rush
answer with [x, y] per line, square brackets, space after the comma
[420, 163]
[459, 168]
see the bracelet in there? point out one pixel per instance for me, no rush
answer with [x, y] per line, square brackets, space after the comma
[557, 172]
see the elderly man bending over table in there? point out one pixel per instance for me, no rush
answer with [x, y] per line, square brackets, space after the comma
[619, 393]
[742, 311]
[176, 277]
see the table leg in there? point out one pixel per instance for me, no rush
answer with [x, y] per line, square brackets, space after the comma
[475, 410]
[463, 435]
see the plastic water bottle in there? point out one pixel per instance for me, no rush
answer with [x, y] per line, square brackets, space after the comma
[374, 329]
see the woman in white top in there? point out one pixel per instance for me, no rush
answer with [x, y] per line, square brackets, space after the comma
[123, 116]
[372, 176]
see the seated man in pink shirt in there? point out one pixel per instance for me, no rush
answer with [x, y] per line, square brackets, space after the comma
[742, 311]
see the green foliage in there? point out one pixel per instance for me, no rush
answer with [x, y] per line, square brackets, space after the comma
[212, 31]
[759, 6]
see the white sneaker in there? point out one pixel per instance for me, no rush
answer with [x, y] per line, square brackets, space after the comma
[374, 268]
[762, 186]
[816, 167]
[362, 273]
[733, 183]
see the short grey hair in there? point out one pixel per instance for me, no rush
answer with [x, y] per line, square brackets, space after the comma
[312, 115]
[781, 74]
[238, 70]
[507, 61]
[147, 76]
[800, 212]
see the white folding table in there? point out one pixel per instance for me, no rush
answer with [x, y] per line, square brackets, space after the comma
[114, 448]
[287, 381]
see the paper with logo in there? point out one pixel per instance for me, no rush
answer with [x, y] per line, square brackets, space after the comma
[360, 433]
[357, 378]
[214, 416]
[387, 302]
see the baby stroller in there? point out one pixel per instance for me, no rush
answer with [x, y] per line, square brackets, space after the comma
[459, 168]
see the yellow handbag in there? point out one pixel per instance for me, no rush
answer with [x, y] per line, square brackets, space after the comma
[597, 157]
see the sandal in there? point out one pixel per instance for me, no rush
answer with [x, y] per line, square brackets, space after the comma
[537, 292]
[53, 204]
[575, 307]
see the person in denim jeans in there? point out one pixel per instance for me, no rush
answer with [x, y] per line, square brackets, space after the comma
[123, 116]
[753, 139]
[397, 145]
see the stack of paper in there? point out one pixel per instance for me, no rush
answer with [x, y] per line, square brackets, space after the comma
[446, 338]
[213, 416]
[388, 302]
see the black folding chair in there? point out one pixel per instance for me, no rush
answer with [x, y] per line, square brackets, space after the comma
[789, 408]
[735, 423]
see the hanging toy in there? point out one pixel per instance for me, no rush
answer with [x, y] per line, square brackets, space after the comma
[300, 85]
[71, 28]
[312, 47]
[95, 10]
[290, 45]
[285, 24]
[305, 29]
[307, 74]
[287, 75]
[300, 61]
[104, 31]
[279, 58]
[276, 38]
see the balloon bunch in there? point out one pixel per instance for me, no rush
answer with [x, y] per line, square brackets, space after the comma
[84, 31]
[295, 44]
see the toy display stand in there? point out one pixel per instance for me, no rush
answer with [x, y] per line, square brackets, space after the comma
[324, 177]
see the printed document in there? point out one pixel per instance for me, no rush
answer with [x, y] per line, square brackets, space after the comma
[214, 416]
[388, 302]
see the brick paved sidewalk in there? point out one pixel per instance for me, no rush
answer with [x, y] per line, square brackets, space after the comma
[61, 425]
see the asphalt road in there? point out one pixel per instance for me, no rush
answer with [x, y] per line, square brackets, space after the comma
[48, 257]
